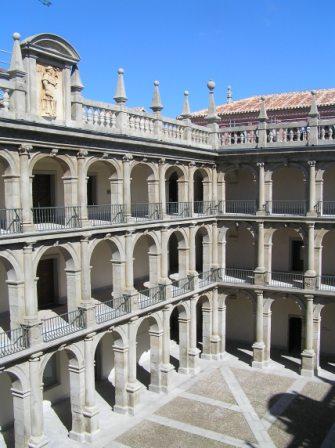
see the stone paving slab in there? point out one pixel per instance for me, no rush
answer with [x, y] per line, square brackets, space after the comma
[213, 386]
[213, 418]
[149, 434]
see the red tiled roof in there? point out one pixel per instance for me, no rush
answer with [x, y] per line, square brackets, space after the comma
[277, 101]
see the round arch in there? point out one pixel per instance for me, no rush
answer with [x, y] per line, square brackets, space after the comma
[146, 268]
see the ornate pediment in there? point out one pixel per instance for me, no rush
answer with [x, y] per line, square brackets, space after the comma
[50, 46]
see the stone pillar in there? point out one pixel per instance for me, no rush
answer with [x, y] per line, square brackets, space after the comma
[129, 263]
[118, 268]
[310, 274]
[21, 411]
[162, 192]
[193, 353]
[267, 314]
[191, 170]
[206, 330]
[261, 188]
[312, 188]
[308, 355]
[222, 323]
[12, 191]
[192, 253]
[127, 185]
[156, 338]
[25, 188]
[86, 304]
[221, 187]
[215, 338]
[268, 192]
[91, 411]
[215, 258]
[268, 251]
[167, 368]
[37, 437]
[259, 346]
[214, 185]
[77, 376]
[222, 248]
[116, 186]
[134, 387]
[317, 336]
[260, 270]
[82, 186]
[184, 334]
[121, 377]
[154, 267]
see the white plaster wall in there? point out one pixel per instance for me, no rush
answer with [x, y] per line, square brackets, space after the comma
[288, 184]
[6, 403]
[328, 254]
[240, 185]
[281, 249]
[49, 166]
[102, 172]
[327, 343]
[240, 249]
[282, 309]
[240, 320]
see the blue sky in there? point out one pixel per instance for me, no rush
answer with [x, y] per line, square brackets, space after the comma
[257, 46]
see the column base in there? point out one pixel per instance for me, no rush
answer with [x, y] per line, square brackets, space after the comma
[167, 371]
[307, 363]
[80, 436]
[258, 355]
[134, 394]
[215, 347]
[157, 389]
[193, 361]
[91, 416]
[38, 442]
[120, 409]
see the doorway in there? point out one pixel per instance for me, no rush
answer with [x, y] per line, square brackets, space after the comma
[47, 286]
[297, 261]
[294, 335]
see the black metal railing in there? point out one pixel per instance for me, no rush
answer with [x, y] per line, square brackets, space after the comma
[205, 278]
[55, 218]
[239, 207]
[236, 275]
[327, 283]
[10, 220]
[325, 208]
[146, 212]
[106, 214]
[289, 207]
[179, 209]
[13, 341]
[151, 296]
[287, 279]
[111, 309]
[62, 325]
[205, 208]
[182, 286]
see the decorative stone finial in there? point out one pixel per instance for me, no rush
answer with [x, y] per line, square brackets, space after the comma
[229, 95]
[16, 63]
[186, 113]
[120, 92]
[212, 116]
[263, 116]
[76, 83]
[314, 111]
[156, 103]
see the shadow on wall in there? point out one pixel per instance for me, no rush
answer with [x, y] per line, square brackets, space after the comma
[304, 421]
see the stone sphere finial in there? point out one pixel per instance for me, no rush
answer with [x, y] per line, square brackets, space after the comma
[156, 83]
[313, 92]
[120, 71]
[16, 36]
[262, 98]
[211, 85]
[186, 92]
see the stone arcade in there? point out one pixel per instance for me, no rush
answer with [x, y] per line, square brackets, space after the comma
[122, 229]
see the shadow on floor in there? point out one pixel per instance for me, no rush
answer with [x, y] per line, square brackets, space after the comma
[7, 436]
[63, 411]
[237, 350]
[175, 362]
[106, 390]
[143, 375]
[288, 360]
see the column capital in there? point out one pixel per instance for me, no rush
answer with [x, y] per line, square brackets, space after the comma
[260, 164]
[25, 149]
[82, 153]
[127, 158]
[312, 163]
[309, 297]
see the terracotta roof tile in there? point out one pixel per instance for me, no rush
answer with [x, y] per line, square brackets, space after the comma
[277, 101]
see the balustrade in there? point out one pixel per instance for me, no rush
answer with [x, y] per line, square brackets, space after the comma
[99, 115]
[296, 133]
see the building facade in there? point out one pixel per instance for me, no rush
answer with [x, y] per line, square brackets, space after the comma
[122, 230]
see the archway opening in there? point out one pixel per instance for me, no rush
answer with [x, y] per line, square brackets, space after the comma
[174, 191]
[174, 338]
[202, 250]
[328, 196]
[146, 268]
[289, 195]
[327, 338]
[241, 191]
[144, 193]
[203, 333]
[241, 254]
[7, 421]
[176, 256]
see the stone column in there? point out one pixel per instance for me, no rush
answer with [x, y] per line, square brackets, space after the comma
[308, 355]
[156, 338]
[86, 304]
[215, 259]
[77, 376]
[121, 377]
[267, 315]
[261, 188]
[21, 411]
[91, 411]
[118, 268]
[310, 274]
[215, 338]
[134, 387]
[129, 263]
[317, 336]
[82, 186]
[312, 188]
[222, 323]
[259, 346]
[206, 330]
[184, 334]
[260, 270]
[167, 368]
[192, 254]
[191, 170]
[193, 353]
[222, 249]
[25, 188]
[12, 191]
[268, 193]
[116, 186]
[222, 194]
[162, 192]
[37, 437]
[214, 185]
[127, 185]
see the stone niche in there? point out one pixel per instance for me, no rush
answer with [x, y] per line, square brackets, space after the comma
[49, 60]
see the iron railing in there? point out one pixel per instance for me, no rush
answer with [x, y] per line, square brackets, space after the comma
[205, 208]
[179, 209]
[55, 218]
[236, 275]
[62, 325]
[151, 296]
[13, 341]
[106, 214]
[10, 220]
[205, 278]
[290, 207]
[182, 286]
[286, 279]
[111, 309]
[327, 283]
[241, 207]
[146, 212]
[326, 208]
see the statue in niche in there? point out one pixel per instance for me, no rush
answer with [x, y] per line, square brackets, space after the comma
[50, 81]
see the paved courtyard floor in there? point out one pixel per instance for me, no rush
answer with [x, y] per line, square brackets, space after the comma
[228, 404]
